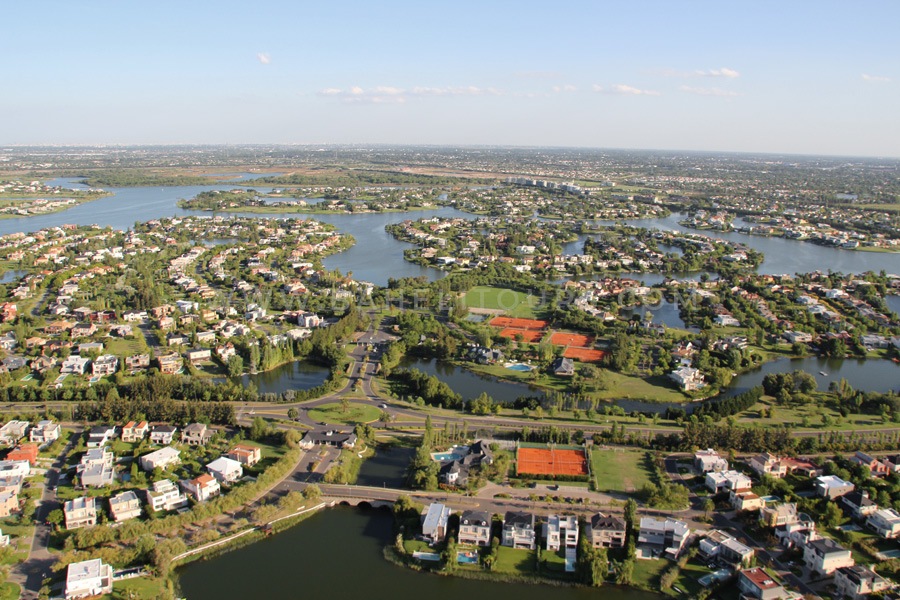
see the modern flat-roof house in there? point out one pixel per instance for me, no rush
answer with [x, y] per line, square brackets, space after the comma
[825, 556]
[12, 468]
[88, 578]
[768, 464]
[225, 470]
[161, 458]
[757, 583]
[137, 362]
[135, 432]
[560, 532]
[245, 454]
[885, 522]
[100, 435]
[97, 476]
[606, 531]
[779, 514]
[80, 512]
[434, 522]
[475, 528]
[745, 501]
[163, 434]
[125, 506]
[105, 365]
[11, 484]
[709, 460]
[13, 431]
[164, 495]
[832, 486]
[9, 503]
[688, 378]
[857, 582]
[169, 363]
[727, 481]
[667, 537]
[723, 548]
[518, 530]
[196, 434]
[202, 488]
[44, 433]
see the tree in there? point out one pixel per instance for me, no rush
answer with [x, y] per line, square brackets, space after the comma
[55, 517]
[708, 506]
[235, 366]
[345, 405]
[292, 413]
[259, 429]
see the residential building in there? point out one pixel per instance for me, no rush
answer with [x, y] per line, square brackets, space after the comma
[858, 504]
[100, 436]
[196, 434]
[75, 365]
[757, 583]
[857, 582]
[161, 458]
[13, 431]
[163, 434]
[727, 481]
[45, 432]
[709, 460]
[169, 363]
[9, 503]
[780, 514]
[4, 540]
[885, 522]
[202, 488]
[563, 366]
[80, 512]
[475, 528]
[137, 362]
[97, 476]
[663, 537]
[825, 556]
[606, 531]
[164, 495]
[560, 532]
[225, 470]
[518, 530]
[25, 451]
[11, 484]
[832, 486]
[338, 439]
[745, 501]
[434, 522]
[245, 454]
[725, 549]
[877, 468]
[125, 506]
[105, 365]
[768, 464]
[198, 355]
[88, 578]
[135, 432]
[13, 468]
[688, 378]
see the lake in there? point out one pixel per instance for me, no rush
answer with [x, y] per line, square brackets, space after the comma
[338, 551]
[470, 384]
[297, 375]
[387, 467]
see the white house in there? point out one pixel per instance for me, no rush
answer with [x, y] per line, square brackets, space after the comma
[885, 522]
[163, 495]
[161, 458]
[45, 432]
[225, 470]
[88, 578]
[434, 522]
[727, 481]
[709, 460]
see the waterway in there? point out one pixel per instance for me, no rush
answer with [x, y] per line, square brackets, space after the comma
[387, 467]
[338, 552]
[893, 303]
[468, 383]
[297, 375]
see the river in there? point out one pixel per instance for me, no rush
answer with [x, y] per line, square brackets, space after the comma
[338, 552]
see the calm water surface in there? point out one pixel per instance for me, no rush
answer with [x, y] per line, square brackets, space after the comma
[297, 375]
[387, 467]
[338, 552]
[470, 384]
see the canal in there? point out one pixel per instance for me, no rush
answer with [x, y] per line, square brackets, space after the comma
[338, 553]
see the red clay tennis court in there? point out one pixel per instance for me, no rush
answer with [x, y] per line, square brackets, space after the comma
[571, 339]
[544, 461]
[527, 334]
[512, 323]
[584, 354]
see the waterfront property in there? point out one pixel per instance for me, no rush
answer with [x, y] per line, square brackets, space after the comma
[225, 470]
[518, 530]
[663, 537]
[434, 522]
[88, 578]
[725, 549]
[202, 488]
[606, 531]
[475, 528]
[560, 532]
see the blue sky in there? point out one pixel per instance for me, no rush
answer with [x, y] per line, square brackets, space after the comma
[797, 77]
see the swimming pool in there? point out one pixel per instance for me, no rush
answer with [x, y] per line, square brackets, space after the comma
[433, 556]
[455, 453]
[520, 367]
[770, 499]
[469, 558]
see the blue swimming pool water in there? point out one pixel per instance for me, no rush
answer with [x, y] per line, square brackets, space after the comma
[445, 456]
[466, 559]
[523, 368]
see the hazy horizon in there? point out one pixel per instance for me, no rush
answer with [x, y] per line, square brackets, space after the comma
[760, 78]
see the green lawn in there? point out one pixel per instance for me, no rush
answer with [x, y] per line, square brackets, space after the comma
[512, 560]
[515, 303]
[126, 346]
[334, 413]
[9, 591]
[620, 470]
[139, 588]
[646, 572]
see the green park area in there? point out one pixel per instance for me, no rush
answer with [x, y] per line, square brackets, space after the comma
[511, 302]
[620, 470]
[344, 413]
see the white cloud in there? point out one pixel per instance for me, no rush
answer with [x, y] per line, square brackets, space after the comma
[876, 79]
[724, 73]
[388, 94]
[709, 91]
[264, 58]
[564, 88]
[624, 90]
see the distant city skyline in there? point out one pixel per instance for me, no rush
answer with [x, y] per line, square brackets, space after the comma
[763, 77]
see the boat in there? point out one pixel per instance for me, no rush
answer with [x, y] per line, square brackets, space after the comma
[823, 373]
